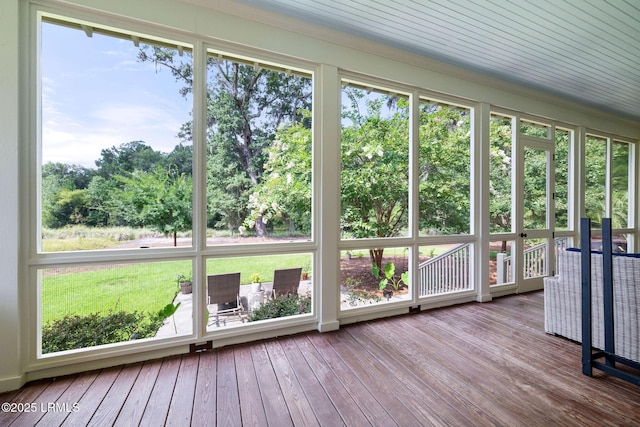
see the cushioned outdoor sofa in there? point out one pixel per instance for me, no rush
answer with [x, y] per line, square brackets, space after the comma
[562, 301]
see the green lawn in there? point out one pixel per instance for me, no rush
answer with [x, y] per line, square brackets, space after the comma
[141, 287]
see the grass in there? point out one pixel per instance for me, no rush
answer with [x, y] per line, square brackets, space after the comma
[144, 287]
[82, 231]
[262, 265]
[81, 237]
[79, 244]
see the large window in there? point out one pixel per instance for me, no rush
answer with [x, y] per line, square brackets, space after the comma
[116, 168]
[123, 163]
[444, 193]
[258, 152]
[85, 306]
[374, 190]
[374, 179]
[595, 179]
[377, 177]
[608, 180]
[501, 171]
[115, 172]
[563, 139]
[444, 168]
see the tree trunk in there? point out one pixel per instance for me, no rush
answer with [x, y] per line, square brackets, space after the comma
[175, 238]
[261, 227]
[376, 257]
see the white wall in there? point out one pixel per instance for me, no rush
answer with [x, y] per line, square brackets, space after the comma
[10, 366]
[227, 21]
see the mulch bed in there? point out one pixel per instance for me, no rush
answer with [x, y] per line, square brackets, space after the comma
[359, 270]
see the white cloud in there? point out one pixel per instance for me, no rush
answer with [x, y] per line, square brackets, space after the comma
[73, 141]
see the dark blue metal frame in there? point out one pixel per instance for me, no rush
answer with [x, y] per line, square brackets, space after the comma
[590, 359]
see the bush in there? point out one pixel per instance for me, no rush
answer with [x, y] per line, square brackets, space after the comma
[280, 307]
[73, 331]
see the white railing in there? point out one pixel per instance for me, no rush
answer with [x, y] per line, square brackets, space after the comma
[448, 272]
[534, 262]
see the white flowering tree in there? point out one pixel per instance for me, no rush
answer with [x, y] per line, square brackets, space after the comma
[284, 195]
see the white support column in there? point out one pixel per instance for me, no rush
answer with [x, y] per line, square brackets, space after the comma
[414, 197]
[480, 201]
[199, 161]
[327, 189]
[11, 375]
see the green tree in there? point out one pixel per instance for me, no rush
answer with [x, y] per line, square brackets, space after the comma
[246, 106]
[67, 207]
[70, 176]
[104, 191]
[180, 160]
[620, 153]
[64, 196]
[444, 168]
[105, 207]
[128, 157]
[374, 184]
[500, 171]
[595, 179]
[158, 199]
[561, 199]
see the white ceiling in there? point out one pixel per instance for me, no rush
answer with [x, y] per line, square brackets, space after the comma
[585, 50]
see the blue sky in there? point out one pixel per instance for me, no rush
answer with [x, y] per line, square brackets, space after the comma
[96, 95]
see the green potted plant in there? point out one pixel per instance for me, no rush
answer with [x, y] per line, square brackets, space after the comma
[185, 283]
[256, 282]
[305, 272]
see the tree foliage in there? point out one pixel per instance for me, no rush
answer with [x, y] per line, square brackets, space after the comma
[284, 193]
[64, 196]
[500, 170]
[444, 170]
[159, 199]
[375, 165]
[246, 105]
[105, 196]
[127, 158]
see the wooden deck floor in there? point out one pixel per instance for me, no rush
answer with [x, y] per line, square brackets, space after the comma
[475, 364]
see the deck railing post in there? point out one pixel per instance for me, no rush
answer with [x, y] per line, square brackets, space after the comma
[500, 268]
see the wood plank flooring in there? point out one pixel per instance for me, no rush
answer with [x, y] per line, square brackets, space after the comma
[470, 365]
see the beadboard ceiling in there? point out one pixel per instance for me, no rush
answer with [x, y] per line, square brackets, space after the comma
[585, 50]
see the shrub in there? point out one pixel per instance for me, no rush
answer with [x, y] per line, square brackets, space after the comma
[74, 331]
[280, 307]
